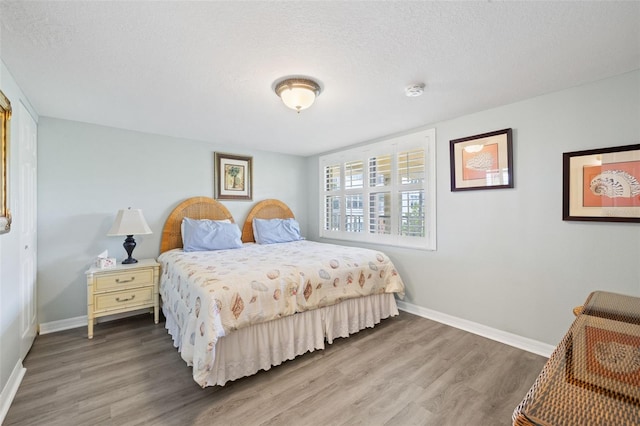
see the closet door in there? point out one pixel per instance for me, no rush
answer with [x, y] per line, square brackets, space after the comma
[25, 222]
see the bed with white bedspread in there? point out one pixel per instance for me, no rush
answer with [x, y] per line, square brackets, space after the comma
[233, 312]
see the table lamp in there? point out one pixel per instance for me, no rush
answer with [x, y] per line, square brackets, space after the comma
[129, 222]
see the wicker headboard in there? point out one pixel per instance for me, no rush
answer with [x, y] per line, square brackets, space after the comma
[266, 209]
[194, 208]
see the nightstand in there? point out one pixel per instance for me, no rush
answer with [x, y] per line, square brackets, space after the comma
[122, 288]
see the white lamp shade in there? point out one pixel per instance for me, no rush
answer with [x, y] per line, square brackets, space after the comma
[129, 222]
[298, 93]
[298, 98]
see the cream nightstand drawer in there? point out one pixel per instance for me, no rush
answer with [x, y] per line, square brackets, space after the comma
[121, 289]
[122, 279]
[123, 299]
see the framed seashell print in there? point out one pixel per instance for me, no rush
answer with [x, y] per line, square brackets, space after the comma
[602, 184]
[482, 161]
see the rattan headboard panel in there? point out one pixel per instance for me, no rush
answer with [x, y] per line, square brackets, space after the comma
[194, 208]
[266, 209]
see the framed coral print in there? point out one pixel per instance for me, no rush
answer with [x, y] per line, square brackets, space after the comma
[233, 177]
[602, 184]
[5, 116]
[482, 161]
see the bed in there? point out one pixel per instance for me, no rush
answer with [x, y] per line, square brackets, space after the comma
[234, 312]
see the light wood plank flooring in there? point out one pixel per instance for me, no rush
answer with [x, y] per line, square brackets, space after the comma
[406, 371]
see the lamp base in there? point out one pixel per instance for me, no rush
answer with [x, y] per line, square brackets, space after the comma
[129, 245]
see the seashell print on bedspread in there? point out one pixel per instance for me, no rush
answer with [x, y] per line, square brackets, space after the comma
[211, 293]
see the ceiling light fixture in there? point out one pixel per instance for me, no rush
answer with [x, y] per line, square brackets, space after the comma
[298, 93]
[414, 90]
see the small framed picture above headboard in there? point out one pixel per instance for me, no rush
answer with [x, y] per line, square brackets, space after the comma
[233, 177]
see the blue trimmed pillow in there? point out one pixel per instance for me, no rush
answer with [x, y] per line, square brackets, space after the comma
[271, 231]
[204, 234]
[182, 225]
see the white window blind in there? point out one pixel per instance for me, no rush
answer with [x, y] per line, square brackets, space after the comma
[382, 193]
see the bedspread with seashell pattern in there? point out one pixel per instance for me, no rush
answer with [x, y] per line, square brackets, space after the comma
[211, 293]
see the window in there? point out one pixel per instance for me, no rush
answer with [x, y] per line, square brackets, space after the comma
[381, 193]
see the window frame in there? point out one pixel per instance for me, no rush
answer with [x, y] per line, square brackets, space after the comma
[424, 139]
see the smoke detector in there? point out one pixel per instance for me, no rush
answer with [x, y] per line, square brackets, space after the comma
[414, 90]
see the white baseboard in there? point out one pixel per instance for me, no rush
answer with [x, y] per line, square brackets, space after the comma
[65, 324]
[69, 323]
[510, 339]
[10, 389]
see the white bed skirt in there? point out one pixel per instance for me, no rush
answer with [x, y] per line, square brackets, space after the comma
[259, 347]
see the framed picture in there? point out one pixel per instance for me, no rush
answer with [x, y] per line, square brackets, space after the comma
[233, 177]
[602, 184]
[602, 355]
[482, 161]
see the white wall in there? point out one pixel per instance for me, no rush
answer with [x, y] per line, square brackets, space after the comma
[505, 258]
[10, 300]
[86, 173]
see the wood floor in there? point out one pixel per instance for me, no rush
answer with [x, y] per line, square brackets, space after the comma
[406, 371]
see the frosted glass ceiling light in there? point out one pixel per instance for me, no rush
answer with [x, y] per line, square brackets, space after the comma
[298, 93]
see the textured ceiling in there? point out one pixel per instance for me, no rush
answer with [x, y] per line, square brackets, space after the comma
[205, 70]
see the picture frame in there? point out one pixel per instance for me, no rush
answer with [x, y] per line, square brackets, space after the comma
[601, 355]
[483, 161]
[5, 117]
[602, 184]
[233, 177]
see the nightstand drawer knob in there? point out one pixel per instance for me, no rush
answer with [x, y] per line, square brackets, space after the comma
[125, 300]
[119, 281]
